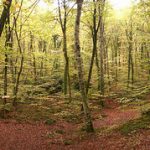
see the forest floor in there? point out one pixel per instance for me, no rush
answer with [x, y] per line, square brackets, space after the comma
[53, 124]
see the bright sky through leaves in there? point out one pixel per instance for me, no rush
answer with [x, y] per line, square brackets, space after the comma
[120, 4]
[116, 4]
[42, 4]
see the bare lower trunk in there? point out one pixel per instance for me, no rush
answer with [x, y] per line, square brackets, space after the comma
[8, 45]
[17, 83]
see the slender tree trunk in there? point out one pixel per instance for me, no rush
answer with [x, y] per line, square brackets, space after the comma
[43, 47]
[116, 59]
[17, 83]
[66, 62]
[130, 57]
[16, 88]
[107, 69]
[4, 15]
[33, 56]
[8, 46]
[69, 84]
[102, 46]
[63, 23]
[94, 39]
[89, 124]
[98, 69]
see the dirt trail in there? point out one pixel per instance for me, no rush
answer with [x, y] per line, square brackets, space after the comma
[115, 115]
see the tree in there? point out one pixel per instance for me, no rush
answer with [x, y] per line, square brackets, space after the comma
[102, 44]
[63, 23]
[4, 16]
[89, 125]
[94, 30]
[129, 33]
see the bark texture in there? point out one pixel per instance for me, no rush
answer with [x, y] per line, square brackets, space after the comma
[4, 15]
[89, 125]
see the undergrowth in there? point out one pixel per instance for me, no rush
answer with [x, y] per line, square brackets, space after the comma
[132, 126]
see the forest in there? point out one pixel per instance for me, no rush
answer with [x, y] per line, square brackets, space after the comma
[75, 74]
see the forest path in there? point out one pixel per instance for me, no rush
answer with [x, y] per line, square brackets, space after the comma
[115, 115]
[64, 135]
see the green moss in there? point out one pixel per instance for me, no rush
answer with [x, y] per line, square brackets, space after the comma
[50, 121]
[68, 142]
[146, 113]
[72, 118]
[88, 127]
[101, 103]
[8, 107]
[51, 135]
[134, 125]
[60, 131]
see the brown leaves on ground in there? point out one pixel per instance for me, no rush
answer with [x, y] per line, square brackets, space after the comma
[66, 135]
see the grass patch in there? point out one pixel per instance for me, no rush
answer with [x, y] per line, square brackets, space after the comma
[72, 118]
[68, 142]
[134, 125]
[50, 121]
[146, 112]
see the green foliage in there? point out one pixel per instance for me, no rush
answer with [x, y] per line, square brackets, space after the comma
[50, 135]
[8, 107]
[50, 121]
[68, 142]
[72, 118]
[101, 103]
[134, 125]
[87, 128]
[146, 112]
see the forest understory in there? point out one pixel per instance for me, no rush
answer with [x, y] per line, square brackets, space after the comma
[75, 75]
[51, 123]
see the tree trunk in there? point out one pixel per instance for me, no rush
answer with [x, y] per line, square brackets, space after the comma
[89, 124]
[5, 12]
[17, 83]
[102, 46]
[33, 56]
[94, 38]
[66, 62]
[130, 57]
[63, 23]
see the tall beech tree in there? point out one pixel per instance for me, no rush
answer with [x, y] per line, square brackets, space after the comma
[94, 30]
[63, 23]
[102, 44]
[79, 61]
[8, 45]
[129, 34]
